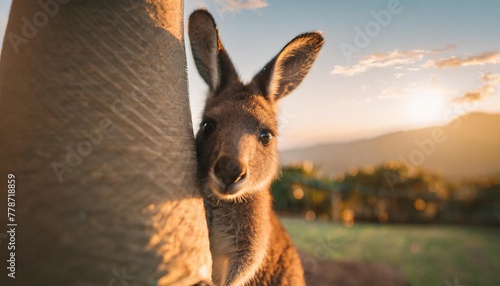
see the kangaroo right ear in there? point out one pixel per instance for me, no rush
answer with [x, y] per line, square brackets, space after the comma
[211, 59]
[287, 70]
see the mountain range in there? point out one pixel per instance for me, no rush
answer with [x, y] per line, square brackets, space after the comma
[468, 146]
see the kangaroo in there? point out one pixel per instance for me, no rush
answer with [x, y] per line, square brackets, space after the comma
[238, 157]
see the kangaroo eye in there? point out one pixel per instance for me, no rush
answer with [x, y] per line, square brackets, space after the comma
[265, 137]
[208, 127]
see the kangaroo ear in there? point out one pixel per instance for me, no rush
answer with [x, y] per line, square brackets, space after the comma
[287, 70]
[211, 59]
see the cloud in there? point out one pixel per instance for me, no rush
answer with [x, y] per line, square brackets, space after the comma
[491, 57]
[237, 5]
[392, 92]
[381, 61]
[390, 59]
[398, 75]
[489, 81]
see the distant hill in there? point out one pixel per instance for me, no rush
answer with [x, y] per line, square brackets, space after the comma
[467, 146]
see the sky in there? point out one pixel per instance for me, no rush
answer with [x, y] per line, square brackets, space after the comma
[420, 63]
[386, 65]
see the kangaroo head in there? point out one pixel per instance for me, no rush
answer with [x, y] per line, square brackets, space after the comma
[236, 145]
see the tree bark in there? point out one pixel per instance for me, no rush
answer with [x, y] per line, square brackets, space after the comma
[96, 127]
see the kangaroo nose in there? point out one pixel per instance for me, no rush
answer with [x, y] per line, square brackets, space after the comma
[229, 171]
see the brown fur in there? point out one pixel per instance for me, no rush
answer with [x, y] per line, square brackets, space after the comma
[236, 162]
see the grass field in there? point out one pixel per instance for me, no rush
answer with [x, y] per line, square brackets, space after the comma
[427, 255]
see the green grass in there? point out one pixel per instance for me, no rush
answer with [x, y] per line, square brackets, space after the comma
[427, 255]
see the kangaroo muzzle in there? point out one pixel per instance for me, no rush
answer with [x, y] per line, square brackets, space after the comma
[230, 172]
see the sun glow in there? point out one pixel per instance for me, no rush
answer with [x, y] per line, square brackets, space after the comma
[426, 106]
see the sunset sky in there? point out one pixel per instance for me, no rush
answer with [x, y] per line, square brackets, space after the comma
[414, 64]
[432, 61]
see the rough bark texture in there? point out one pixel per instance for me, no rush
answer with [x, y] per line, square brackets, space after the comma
[95, 125]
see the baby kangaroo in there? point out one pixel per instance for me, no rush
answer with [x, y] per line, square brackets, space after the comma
[238, 157]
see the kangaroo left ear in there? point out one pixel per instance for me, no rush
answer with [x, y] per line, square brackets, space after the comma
[287, 70]
[211, 59]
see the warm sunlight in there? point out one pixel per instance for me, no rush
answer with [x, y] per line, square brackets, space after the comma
[425, 106]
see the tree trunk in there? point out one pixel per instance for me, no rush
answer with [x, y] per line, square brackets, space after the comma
[96, 128]
[336, 204]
